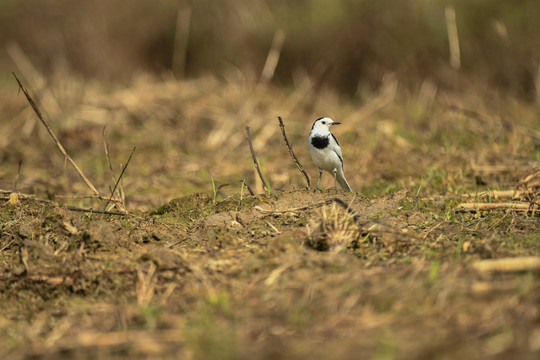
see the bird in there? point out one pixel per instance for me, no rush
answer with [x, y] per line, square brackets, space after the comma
[326, 152]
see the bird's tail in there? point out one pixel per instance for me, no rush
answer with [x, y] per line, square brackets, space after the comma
[342, 181]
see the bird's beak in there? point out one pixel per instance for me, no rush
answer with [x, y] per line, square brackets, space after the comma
[336, 123]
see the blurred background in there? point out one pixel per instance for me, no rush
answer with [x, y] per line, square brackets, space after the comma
[348, 45]
[144, 68]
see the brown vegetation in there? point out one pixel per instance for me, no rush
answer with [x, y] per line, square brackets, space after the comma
[435, 254]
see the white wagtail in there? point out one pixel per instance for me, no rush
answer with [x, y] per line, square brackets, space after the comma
[325, 151]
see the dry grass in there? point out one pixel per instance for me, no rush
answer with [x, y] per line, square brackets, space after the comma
[197, 269]
[334, 231]
[529, 186]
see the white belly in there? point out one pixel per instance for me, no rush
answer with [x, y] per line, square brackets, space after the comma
[325, 159]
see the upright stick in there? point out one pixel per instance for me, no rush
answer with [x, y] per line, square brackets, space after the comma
[255, 162]
[119, 178]
[298, 165]
[60, 146]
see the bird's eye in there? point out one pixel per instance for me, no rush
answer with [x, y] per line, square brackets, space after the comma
[324, 122]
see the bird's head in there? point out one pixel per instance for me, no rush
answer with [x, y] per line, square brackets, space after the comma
[323, 123]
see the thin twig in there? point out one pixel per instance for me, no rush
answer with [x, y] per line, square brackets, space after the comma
[255, 162]
[292, 210]
[116, 200]
[275, 229]
[494, 206]
[97, 211]
[248, 187]
[58, 144]
[107, 154]
[9, 243]
[119, 178]
[295, 159]
[430, 230]
[347, 207]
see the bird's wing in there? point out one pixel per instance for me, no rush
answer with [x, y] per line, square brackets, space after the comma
[334, 145]
[335, 139]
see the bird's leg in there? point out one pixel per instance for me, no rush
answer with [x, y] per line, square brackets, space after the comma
[319, 182]
[335, 175]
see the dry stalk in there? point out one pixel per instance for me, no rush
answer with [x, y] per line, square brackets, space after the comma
[104, 212]
[295, 159]
[453, 38]
[527, 190]
[146, 284]
[108, 156]
[82, 197]
[431, 230]
[494, 206]
[496, 194]
[58, 144]
[255, 162]
[528, 263]
[275, 229]
[120, 177]
[273, 57]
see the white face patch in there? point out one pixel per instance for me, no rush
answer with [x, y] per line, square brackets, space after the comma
[323, 123]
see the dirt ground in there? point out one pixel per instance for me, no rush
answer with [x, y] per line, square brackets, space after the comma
[199, 268]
